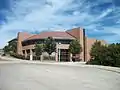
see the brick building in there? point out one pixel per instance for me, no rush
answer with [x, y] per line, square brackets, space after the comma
[26, 43]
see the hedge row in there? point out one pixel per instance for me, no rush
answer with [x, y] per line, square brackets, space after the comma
[19, 56]
[28, 57]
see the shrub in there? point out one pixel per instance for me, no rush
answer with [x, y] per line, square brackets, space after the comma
[47, 57]
[49, 45]
[36, 58]
[17, 56]
[105, 55]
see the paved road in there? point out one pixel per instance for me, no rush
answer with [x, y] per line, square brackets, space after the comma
[21, 76]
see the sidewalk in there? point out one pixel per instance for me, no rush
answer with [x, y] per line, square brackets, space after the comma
[78, 64]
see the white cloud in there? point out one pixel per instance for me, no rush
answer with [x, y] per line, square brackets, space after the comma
[105, 13]
[31, 15]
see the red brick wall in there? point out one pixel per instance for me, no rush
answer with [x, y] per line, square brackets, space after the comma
[21, 36]
[78, 34]
[90, 42]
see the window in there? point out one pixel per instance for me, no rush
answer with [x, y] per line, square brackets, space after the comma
[23, 51]
[28, 51]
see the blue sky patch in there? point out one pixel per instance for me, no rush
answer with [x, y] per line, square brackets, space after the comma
[100, 18]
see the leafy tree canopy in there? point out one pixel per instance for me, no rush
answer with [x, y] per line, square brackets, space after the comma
[11, 47]
[39, 49]
[75, 47]
[105, 55]
[49, 45]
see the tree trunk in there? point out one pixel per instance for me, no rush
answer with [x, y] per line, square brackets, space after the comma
[41, 58]
[49, 57]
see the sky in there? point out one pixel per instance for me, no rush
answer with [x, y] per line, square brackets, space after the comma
[100, 18]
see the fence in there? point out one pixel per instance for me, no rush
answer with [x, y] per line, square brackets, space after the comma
[52, 58]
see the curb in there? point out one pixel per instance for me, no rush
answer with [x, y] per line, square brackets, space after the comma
[78, 64]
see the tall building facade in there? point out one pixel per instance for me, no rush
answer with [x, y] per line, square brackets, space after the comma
[26, 43]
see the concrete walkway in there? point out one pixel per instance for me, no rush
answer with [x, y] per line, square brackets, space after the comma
[78, 64]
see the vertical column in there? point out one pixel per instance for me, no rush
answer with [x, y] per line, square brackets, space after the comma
[56, 54]
[31, 56]
[59, 54]
[70, 57]
[25, 54]
[82, 43]
[19, 44]
[41, 57]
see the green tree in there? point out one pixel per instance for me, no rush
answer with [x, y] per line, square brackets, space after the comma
[75, 47]
[96, 53]
[38, 50]
[105, 55]
[6, 49]
[113, 54]
[96, 48]
[49, 45]
[11, 47]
